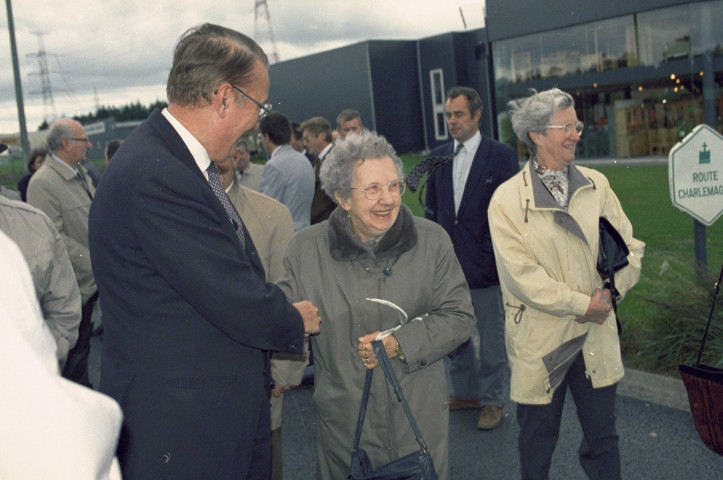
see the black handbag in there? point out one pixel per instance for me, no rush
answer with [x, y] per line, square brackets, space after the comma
[611, 257]
[704, 385]
[415, 466]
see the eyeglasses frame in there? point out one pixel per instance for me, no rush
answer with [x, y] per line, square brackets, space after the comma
[402, 189]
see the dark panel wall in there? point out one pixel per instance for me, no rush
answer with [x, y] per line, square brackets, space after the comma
[323, 84]
[395, 82]
[435, 53]
[463, 58]
[511, 18]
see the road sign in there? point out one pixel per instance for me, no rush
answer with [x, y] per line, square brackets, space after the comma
[695, 174]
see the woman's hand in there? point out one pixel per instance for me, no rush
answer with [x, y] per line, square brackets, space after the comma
[600, 306]
[366, 351]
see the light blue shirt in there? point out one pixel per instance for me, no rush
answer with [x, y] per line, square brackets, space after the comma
[462, 165]
[289, 178]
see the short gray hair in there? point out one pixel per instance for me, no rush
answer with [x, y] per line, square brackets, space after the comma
[534, 113]
[346, 116]
[205, 57]
[337, 169]
[58, 132]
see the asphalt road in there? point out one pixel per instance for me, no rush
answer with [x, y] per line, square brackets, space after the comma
[657, 436]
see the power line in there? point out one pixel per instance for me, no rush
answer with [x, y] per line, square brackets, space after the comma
[46, 88]
[262, 10]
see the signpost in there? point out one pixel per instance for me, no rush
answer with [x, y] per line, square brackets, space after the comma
[695, 175]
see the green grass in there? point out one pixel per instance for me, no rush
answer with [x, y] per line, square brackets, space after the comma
[663, 317]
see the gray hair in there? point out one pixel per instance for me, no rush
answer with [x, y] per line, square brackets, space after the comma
[534, 113]
[207, 56]
[337, 170]
[346, 116]
[58, 132]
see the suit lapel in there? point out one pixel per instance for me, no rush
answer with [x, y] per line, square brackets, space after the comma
[478, 172]
[179, 150]
[445, 181]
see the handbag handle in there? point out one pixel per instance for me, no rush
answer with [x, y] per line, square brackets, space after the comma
[710, 317]
[386, 365]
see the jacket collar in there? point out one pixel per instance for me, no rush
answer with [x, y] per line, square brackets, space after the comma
[345, 245]
[540, 194]
[543, 200]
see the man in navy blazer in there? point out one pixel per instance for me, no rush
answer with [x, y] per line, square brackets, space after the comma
[458, 195]
[188, 318]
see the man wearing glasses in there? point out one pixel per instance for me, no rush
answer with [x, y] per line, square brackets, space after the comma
[63, 190]
[189, 319]
[458, 195]
[288, 177]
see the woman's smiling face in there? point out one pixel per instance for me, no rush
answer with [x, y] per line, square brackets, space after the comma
[370, 219]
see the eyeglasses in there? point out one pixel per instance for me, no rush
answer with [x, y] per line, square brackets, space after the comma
[79, 139]
[569, 127]
[263, 109]
[374, 191]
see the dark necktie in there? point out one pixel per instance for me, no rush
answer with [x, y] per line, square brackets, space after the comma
[428, 166]
[85, 184]
[215, 183]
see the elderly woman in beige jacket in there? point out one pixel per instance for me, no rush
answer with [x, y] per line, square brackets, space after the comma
[560, 327]
[372, 247]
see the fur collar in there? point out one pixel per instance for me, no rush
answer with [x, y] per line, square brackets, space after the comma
[346, 246]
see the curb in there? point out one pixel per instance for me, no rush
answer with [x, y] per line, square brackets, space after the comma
[654, 388]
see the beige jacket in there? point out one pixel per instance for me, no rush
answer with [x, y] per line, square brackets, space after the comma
[58, 192]
[546, 259]
[271, 228]
[53, 278]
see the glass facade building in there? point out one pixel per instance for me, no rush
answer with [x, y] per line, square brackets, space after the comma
[641, 81]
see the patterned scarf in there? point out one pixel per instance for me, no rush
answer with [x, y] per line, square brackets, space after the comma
[556, 182]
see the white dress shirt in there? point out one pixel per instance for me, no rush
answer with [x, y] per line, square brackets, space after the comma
[461, 166]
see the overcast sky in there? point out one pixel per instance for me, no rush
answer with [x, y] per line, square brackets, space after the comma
[114, 52]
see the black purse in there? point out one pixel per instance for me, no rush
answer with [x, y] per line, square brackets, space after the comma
[415, 466]
[611, 257]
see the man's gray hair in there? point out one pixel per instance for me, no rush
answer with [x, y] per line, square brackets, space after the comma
[534, 113]
[347, 115]
[208, 56]
[337, 170]
[58, 132]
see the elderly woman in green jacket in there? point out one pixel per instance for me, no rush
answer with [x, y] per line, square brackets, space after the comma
[370, 257]
[560, 328]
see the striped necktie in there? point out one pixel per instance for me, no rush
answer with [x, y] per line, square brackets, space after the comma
[215, 182]
[85, 184]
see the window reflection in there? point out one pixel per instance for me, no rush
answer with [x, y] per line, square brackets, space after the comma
[634, 110]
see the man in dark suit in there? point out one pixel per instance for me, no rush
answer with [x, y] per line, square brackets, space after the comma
[188, 318]
[318, 141]
[458, 195]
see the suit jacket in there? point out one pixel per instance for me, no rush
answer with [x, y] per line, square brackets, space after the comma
[59, 193]
[187, 314]
[493, 163]
[269, 224]
[322, 205]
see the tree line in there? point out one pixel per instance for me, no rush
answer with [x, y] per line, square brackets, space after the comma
[132, 111]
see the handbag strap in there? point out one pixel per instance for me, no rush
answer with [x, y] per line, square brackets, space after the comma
[710, 317]
[386, 366]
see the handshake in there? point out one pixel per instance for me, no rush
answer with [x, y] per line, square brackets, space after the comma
[310, 315]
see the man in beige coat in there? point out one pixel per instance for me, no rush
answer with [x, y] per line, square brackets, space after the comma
[55, 287]
[271, 227]
[63, 191]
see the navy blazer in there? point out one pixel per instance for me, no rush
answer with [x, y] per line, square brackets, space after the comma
[187, 314]
[493, 164]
